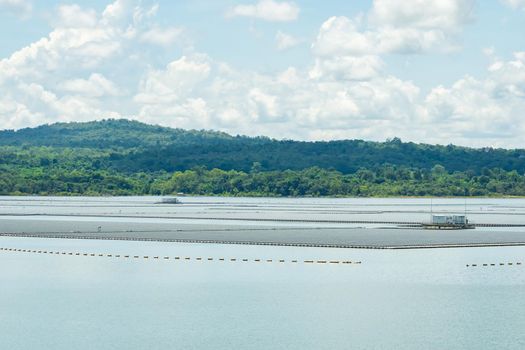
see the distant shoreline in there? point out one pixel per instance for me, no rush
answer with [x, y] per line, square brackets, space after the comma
[251, 196]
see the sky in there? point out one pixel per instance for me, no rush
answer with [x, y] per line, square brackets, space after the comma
[439, 72]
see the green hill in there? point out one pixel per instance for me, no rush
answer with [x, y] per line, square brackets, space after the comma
[122, 157]
[137, 146]
[110, 133]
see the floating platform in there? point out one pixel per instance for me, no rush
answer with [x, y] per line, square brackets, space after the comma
[169, 200]
[200, 231]
[447, 226]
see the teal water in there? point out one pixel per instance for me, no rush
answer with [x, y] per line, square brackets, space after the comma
[404, 299]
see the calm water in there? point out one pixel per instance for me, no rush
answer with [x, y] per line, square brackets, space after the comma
[404, 299]
[417, 299]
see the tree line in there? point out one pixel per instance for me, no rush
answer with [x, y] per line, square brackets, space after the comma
[382, 182]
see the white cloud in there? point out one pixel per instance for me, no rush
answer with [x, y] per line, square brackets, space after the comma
[175, 83]
[515, 4]
[292, 104]
[73, 16]
[443, 15]
[340, 35]
[84, 47]
[79, 70]
[44, 79]
[340, 68]
[161, 36]
[48, 104]
[268, 10]
[96, 85]
[116, 11]
[343, 52]
[18, 7]
[289, 104]
[15, 114]
[265, 105]
[286, 41]
[81, 39]
[396, 26]
[351, 49]
[476, 109]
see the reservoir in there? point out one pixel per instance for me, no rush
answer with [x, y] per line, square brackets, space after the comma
[112, 294]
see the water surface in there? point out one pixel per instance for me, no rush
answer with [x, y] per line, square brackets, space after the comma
[394, 299]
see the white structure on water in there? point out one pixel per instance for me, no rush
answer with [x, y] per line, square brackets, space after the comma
[458, 220]
[170, 200]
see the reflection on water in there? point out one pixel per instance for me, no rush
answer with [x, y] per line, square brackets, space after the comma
[413, 299]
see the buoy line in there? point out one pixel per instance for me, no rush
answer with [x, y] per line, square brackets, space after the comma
[179, 258]
[495, 264]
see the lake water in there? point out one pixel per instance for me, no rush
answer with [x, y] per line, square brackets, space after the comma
[393, 299]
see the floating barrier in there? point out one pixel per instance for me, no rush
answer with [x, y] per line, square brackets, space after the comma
[495, 264]
[210, 259]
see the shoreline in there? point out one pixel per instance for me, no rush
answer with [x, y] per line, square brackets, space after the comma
[229, 195]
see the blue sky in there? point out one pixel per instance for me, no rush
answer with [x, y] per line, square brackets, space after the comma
[448, 71]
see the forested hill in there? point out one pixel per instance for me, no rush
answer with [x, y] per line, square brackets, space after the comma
[130, 146]
[111, 133]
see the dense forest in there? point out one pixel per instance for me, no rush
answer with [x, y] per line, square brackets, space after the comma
[122, 157]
